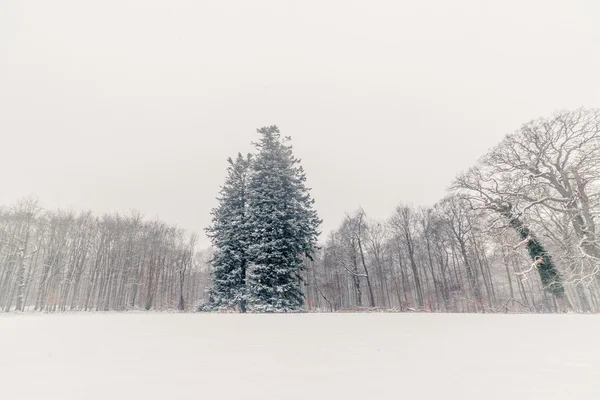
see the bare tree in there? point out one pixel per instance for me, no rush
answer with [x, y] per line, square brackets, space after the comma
[404, 222]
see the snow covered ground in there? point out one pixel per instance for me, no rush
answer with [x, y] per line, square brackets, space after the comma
[304, 356]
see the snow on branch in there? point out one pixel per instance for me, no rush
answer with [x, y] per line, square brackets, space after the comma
[533, 267]
[523, 243]
[354, 273]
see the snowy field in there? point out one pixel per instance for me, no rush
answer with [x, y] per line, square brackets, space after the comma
[306, 356]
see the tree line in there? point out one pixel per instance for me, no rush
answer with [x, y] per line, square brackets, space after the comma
[517, 232]
[67, 261]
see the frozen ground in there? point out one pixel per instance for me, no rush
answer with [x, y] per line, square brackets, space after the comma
[310, 356]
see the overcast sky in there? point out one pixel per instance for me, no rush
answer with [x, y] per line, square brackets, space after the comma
[119, 105]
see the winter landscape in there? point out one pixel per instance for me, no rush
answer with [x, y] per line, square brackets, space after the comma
[299, 200]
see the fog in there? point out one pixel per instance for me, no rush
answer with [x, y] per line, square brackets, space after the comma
[121, 105]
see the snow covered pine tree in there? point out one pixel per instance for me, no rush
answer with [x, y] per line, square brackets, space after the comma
[228, 235]
[282, 225]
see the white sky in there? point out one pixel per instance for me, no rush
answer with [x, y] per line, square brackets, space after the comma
[119, 105]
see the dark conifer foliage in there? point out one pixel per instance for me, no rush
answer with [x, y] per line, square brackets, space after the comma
[229, 236]
[282, 222]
